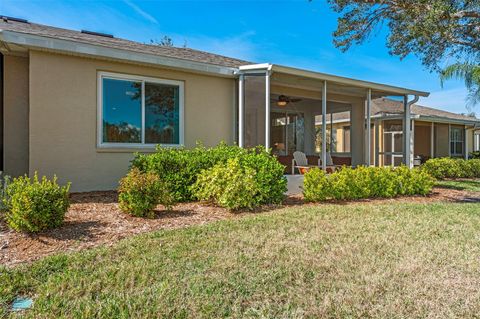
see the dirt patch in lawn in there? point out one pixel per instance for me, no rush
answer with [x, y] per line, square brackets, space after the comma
[94, 219]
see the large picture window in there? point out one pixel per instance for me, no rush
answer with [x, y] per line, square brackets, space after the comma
[139, 112]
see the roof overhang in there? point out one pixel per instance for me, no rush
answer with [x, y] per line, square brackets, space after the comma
[91, 50]
[281, 74]
[313, 79]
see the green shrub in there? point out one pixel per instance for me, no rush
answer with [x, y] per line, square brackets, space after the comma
[413, 181]
[474, 155]
[229, 185]
[251, 178]
[474, 167]
[140, 193]
[34, 205]
[365, 182]
[441, 168]
[316, 186]
[180, 167]
[269, 175]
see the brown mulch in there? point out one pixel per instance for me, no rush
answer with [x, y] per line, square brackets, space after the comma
[94, 219]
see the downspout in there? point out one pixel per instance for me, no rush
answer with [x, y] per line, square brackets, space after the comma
[415, 100]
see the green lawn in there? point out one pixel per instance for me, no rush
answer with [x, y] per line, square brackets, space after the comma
[391, 260]
[467, 185]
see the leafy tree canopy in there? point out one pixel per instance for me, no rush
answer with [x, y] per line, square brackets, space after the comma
[434, 30]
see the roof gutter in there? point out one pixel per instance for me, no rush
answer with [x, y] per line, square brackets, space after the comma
[85, 49]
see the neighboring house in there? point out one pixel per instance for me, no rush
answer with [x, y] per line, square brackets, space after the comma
[434, 133]
[80, 104]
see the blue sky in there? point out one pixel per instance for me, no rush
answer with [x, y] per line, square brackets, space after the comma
[294, 33]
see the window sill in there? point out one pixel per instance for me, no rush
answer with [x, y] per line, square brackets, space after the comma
[131, 149]
[125, 150]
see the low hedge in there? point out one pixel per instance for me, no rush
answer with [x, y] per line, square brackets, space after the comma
[447, 167]
[366, 182]
[252, 178]
[180, 168]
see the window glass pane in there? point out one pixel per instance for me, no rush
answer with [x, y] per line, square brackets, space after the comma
[459, 148]
[278, 140]
[452, 147]
[122, 111]
[162, 114]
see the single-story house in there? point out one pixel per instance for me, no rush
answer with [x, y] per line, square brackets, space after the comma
[434, 133]
[79, 104]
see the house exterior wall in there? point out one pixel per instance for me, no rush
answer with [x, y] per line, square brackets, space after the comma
[15, 119]
[422, 139]
[63, 117]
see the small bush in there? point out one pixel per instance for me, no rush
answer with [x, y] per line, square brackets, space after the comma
[442, 168]
[140, 193]
[34, 205]
[269, 175]
[250, 179]
[474, 155]
[228, 185]
[316, 186]
[366, 182]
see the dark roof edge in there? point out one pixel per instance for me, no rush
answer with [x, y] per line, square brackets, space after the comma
[86, 49]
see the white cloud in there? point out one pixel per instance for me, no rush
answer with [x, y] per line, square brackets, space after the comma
[452, 100]
[138, 10]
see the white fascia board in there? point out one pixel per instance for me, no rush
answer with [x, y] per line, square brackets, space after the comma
[448, 120]
[81, 48]
[392, 90]
[255, 67]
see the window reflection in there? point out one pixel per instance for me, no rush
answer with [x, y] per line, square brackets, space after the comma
[161, 114]
[122, 105]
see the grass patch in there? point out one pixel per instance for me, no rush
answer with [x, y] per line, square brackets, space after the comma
[364, 260]
[472, 185]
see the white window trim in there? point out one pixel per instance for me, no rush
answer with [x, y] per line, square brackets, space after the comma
[143, 79]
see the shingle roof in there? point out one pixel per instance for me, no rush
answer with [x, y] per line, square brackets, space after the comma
[117, 43]
[385, 106]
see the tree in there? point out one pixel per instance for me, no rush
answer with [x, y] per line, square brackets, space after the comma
[166, 41]
[470, 73]
[435, 30]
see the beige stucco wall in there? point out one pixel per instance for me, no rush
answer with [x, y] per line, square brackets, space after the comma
[422, 135]
[63, 117]
[15, 138]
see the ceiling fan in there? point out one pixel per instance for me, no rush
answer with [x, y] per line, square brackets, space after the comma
[284, 100]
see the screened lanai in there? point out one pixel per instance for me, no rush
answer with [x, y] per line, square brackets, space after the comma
[278, 108]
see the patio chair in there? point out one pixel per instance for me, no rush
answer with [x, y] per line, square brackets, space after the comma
[330, 165]
[300, 162]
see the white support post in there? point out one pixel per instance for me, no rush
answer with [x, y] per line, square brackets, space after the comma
[449, 140]
[368, 145]
[412, 142]
[241, 110]
[465, 142]
[377, 142]
[267, 110]
[432, 140]
[331, 131]
[407, 160]
[324, 126]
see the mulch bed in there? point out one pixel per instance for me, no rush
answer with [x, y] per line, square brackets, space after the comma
[94, 219]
